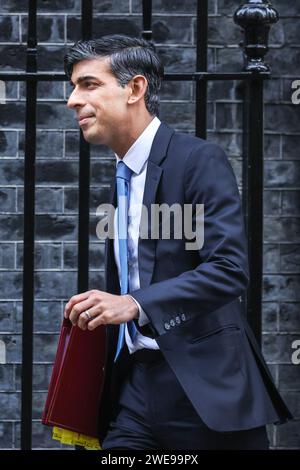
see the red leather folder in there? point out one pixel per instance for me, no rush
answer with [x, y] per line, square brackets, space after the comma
[77, 380]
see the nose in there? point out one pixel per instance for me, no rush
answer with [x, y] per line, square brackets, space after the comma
[75, 99]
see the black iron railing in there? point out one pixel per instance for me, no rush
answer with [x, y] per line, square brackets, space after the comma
[255, 17]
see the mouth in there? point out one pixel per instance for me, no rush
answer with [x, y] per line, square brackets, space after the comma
[84, 119]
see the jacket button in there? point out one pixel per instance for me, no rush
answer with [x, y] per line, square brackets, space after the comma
[183, 317]
[177, 319]
[167, 326]
[172, 322]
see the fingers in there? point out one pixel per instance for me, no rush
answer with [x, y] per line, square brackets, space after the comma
[75, 300]
[84, 319]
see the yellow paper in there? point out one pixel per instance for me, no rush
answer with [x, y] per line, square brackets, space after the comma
[73, 438]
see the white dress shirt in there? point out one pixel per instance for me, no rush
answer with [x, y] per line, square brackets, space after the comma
[136, 159]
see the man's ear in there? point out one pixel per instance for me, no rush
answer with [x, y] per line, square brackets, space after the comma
[137, 88]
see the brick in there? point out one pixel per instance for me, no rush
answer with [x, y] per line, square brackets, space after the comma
[56, 227]
[220, 90]
[48, 316]
[14, 6]
[172, 30]
[46, 90]
[290, 258]
[41, 437]
[237, 169]
[271, 202]
[168, 6]
[288, 435]
[293, 403]
[6, 435]
[178, 59]
[279, 60]
[281, 287]
[12, 57]
[11, 285]
[50, 58]
[102, 171]
[271, 258]
[48, 144]
[67, 6]
[11, 171]
[45, 347]
[282, 229]
[9, 28]
[96, 280]
[272, 146]
[277, 34]
[6, 377]
[11, 228]
[278, 347]
[272, 90]
[291, 202]
[289, 377]
[55, 116]
[39, 400]
[7, 256]
[287, 8]
[7, 311]
[10, 404]
[97, 196]
[231, 142]
[11, 90]
[222, 31]
[111, 6]
[284, 117]
[13, 344]
[227, 7]
[112, 25]
[291, 147]
[283, 173]
[49, 28]
[183, 118]
[41, 376]
[180, 90]
[46, 200]
[229, 59]
[55, 285]
[228, 116]
[7, 200]
[291, 31]
[46, 256]
[269, 316]
[289, 318]
[56, 172]
[8, 144]
[13, 114]
[96, 255]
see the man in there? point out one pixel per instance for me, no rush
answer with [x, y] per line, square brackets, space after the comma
[183, 370]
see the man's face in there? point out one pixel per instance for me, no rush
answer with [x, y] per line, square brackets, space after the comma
[100, 102]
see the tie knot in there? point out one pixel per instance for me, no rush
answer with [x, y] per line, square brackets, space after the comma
[123, 171]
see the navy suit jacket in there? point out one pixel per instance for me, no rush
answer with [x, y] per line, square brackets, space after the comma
[192, 297]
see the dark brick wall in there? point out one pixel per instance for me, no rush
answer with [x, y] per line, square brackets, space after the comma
[174, 28]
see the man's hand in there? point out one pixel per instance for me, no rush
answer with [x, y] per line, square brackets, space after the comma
[104, 309]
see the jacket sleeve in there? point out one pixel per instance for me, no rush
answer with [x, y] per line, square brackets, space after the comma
[222, 274]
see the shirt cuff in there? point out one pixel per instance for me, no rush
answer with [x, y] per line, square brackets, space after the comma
[143, 319]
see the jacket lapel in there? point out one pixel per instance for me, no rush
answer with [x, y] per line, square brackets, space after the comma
[111, 271]
[146, 246]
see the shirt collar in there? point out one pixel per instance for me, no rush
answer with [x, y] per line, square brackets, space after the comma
[138, 154]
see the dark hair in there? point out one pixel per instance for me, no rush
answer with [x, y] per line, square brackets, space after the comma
[128, 57]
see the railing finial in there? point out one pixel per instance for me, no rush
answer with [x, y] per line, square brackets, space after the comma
[256, 18]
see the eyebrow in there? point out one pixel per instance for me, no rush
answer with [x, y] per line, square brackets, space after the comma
[83, 78]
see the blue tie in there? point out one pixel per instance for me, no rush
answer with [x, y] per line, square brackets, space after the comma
[123, 186]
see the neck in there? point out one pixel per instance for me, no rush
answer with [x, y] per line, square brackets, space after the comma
[130, 133]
